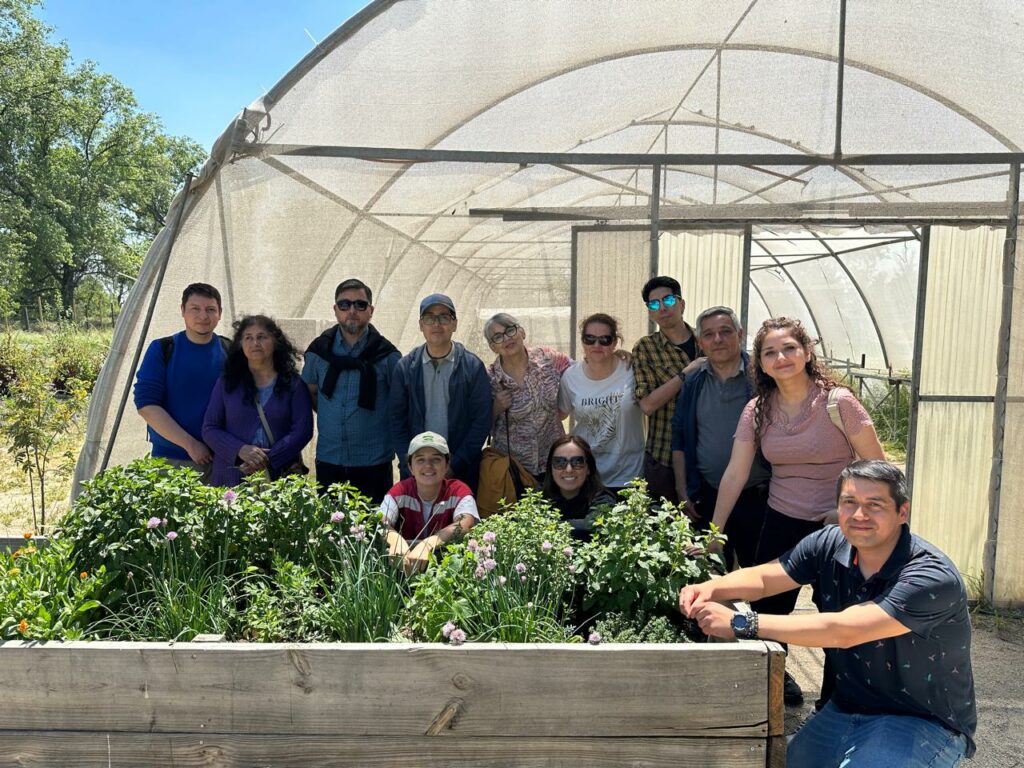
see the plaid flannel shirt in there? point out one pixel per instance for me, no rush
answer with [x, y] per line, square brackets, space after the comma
[655, 361]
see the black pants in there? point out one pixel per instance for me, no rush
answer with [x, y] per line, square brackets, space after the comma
[373, 481]
[779, 534]
[743, 529]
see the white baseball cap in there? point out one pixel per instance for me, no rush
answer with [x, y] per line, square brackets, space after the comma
[428, 440]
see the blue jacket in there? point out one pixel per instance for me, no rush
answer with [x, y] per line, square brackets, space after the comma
[469, 411]
[684, 421]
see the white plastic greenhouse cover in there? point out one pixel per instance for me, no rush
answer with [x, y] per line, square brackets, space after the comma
[483, 148]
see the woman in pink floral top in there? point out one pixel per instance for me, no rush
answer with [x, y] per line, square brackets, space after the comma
[524, 383]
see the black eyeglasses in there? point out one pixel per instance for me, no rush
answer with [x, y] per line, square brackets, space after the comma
[508, 333]
[561, 462]
[604, 341]
[669, 301]
[345, 304]
[437, 319]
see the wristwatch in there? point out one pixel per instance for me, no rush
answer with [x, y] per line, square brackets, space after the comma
[744, 625]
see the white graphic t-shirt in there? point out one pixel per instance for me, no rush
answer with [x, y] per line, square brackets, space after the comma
[607, 416]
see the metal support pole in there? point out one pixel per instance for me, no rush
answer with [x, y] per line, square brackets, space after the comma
[748, 239]
[175, 225]
[655, 229]
[1002, 376]
[915, 366]
[573, 292]
[841, 66]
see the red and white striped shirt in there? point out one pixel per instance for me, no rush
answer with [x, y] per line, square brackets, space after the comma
[415, 519]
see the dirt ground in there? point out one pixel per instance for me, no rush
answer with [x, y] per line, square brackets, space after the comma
[997, 656]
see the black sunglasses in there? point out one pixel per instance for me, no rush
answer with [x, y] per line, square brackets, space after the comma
[604, 341]
[561, 462]
[345, 304]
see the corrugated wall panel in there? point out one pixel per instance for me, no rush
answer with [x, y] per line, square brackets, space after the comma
[954, 440]
[708, 266]
[611, 268]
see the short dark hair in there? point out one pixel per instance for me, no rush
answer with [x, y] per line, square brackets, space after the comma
[662, 281]
[201, 289]
[353, 284]
[879, 472]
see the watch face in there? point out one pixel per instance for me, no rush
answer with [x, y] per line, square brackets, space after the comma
[739, 622]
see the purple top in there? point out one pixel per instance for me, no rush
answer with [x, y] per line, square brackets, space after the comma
[231, 423]
[807, 453]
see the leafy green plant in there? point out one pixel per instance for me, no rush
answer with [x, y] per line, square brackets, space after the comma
[508, 581]
[624, 628]
[73, 356]
[637, 562]
[43, 596]
[281, 608]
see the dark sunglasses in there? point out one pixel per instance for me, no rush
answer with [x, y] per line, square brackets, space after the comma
[669, 301]
[561, 462]
[604, 341]
[345, 304]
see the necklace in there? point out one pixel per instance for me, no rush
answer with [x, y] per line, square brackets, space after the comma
[440, 357]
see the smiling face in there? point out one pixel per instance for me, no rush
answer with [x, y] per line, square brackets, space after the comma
[783, 357]
[353, 321]
[201, 315]
[719, 339]
[428, 466]
[506, 345]
[257, 345]
[868, 515]
[569, 469]
[595, 351]
[666, 316]
[438, 325]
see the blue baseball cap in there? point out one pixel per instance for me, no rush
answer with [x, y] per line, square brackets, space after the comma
[437, 298]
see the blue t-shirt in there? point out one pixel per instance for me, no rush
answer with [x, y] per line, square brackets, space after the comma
[350, 436]
[182, 387]
[926, 672]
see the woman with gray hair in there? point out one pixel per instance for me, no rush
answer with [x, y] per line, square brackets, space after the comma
[524, 383]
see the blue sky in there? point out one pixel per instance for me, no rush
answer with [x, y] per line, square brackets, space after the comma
[194, 64]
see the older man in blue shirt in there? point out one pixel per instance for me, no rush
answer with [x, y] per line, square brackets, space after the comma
[892, 619]
[348, 370]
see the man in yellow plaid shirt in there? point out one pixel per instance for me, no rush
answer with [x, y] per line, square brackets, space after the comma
[661, 363]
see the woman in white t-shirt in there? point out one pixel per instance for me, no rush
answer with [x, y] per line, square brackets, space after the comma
[598, 392]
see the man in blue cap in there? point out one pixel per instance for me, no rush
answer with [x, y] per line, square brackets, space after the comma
[442, 387]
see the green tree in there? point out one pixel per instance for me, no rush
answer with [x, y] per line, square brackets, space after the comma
[85, 176]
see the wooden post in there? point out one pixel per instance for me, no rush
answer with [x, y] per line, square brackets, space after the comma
[39, 302]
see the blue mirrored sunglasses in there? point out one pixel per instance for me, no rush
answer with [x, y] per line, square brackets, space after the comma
[669, 301]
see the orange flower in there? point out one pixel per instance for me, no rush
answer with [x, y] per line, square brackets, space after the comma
[17, 553]
[27, 534]
[23, 626]
[83, 575]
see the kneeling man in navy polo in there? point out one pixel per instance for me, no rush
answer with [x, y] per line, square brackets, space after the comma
[892, 619]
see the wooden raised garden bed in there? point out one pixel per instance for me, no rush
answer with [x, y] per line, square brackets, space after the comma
[198, 704]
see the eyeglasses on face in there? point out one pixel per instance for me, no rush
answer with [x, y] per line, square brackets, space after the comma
[561, 462]
[590, 339]
[669, 301]
[437, 319]
[346, 304]
[508, 333]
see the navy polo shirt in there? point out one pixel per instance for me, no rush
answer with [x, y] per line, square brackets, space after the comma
[926, 672]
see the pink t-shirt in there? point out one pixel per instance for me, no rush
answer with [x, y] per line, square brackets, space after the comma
[807, 453]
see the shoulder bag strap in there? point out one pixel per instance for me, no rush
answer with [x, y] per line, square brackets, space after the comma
[263, 421]
[837, 418]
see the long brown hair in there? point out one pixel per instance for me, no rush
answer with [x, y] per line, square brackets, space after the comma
[764, 385]
[591, 486]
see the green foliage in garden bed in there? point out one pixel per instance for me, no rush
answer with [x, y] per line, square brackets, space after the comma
[149, 553]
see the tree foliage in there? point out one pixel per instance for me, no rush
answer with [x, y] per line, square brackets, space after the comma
[86, 177]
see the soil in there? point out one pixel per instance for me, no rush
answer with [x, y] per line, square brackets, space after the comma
[997, 656]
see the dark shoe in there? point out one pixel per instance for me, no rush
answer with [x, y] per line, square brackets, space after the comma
[791, 693]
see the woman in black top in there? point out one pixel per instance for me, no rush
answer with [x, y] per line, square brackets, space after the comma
[573, 483]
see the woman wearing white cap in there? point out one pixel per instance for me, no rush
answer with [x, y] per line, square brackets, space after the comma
[428, 509]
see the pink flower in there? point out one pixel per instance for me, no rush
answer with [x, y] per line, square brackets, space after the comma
[229, 496]
[163, 521]
[546, 547]
[337, 517]
[457, 637]
[572, 567]
[502, 580]
[520, 568]
[479, 572]
[171, 535]
[447, 629]
[522, 579]
[490, 537]
[153, 522]
[472, 545]
[567, 551]
[490, 564]
[594, 638]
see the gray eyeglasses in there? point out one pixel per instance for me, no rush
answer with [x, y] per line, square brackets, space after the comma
[437, 319]
[508, 333]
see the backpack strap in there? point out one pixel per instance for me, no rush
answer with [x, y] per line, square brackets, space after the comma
[167, 347]
[837, 418]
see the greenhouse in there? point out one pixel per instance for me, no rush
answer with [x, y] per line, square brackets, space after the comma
[852, 163]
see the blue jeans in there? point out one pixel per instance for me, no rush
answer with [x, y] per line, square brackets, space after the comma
[833, 739]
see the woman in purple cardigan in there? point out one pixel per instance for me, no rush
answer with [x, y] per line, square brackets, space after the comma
[260, 369]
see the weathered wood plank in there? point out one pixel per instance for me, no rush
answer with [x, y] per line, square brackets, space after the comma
[136, 750]
[776, 699]
[387, 690]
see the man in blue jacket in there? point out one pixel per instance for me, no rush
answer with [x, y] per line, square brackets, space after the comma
[703, 426]
[442, 387]
[176, 377]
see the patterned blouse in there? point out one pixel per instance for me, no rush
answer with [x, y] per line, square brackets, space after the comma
[533, 423]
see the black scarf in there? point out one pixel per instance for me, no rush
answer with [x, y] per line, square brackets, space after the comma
[377, 348]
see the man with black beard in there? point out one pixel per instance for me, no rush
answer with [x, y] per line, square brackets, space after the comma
[348, 370]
